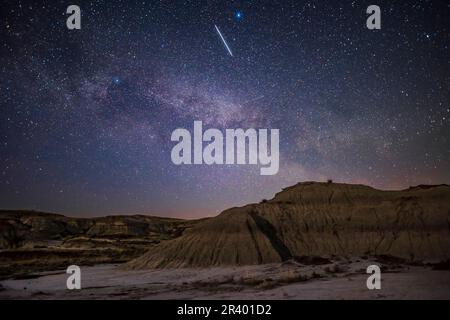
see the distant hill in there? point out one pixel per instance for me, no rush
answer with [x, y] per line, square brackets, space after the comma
[35, 241]
[316, 219]
[19, 228]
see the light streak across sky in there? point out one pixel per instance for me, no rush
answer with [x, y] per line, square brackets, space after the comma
[223, 40]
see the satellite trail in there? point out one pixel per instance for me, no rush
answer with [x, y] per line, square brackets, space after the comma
[223, 40]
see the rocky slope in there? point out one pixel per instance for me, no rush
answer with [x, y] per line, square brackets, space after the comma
[316, 219]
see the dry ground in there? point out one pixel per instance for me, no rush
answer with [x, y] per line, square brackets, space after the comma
[291, 280]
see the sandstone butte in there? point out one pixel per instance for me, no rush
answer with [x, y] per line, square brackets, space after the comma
[315, 219]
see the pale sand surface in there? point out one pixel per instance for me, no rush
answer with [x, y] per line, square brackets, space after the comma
[338, 280]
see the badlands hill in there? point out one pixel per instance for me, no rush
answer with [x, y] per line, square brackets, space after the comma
[35, 241]
[315, 219]
[20, 228]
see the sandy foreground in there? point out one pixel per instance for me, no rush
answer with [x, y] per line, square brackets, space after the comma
[273, 281]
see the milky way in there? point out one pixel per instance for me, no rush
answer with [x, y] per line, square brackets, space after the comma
[87, 114]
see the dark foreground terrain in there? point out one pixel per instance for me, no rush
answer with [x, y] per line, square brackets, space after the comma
[312, 240]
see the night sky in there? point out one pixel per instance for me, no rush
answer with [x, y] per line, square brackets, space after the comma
[87, 115]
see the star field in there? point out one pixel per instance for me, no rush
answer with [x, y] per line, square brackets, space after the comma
[87, 114]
